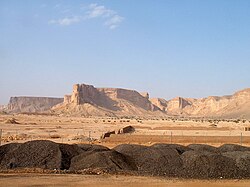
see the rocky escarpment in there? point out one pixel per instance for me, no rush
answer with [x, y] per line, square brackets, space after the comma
[230, 106]
[87, 100]
[160, 103]
[235, 106]
[31, 104]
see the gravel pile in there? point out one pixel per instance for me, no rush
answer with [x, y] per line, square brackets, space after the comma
[68, 152]
[242, 159]
[34, 154]
[92, 147]
[180, 148]
[5, 149]
[152, 160]
[171, 160]
[232, 147]
[203, 148]
[207, 165]
[105, 160]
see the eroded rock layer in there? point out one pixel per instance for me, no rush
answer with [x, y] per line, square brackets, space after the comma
[31, 104]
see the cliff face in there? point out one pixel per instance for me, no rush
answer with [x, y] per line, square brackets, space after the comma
[86, 100]
[160, 103]
[213, 106]
[107, 100]
[31, 104]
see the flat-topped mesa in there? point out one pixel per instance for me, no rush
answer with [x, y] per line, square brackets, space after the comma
[32, 104]
[110, 98]
[83, 93]
[132, 96]
[135, 98]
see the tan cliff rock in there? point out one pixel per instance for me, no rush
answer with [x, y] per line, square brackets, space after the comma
[160, 103]
[225, 106]
[31, 104]
[106, 101]
[87, 100]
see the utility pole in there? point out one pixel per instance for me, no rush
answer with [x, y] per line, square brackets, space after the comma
[1, 136]
[171, 137]
[89, 137]
[241, 138]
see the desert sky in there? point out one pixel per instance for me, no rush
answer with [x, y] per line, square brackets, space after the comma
[166, 47]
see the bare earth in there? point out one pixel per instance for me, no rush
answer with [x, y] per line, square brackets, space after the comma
[76, 129]
[21, 180]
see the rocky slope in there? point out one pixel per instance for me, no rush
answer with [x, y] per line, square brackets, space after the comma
[86, 100]
[31, 104]
[231, 106]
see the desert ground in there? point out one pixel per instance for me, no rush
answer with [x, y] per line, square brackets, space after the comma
[33, 180]
[70, 130]
[23, 127]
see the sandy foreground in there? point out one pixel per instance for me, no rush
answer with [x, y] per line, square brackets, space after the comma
[75, 129]
[61, 180]
[147, 132]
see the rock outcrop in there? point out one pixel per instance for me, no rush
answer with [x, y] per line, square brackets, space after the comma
[160, 103]
[88, 101]
[31, 104]
[232, 106]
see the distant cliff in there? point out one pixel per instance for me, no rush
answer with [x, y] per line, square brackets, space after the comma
[230, 106]
[31, 104]
[87, 100]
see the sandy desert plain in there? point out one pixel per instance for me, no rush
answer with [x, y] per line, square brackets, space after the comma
[19, 128]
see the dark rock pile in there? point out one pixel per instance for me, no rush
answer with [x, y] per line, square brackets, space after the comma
[208, 165]
[172, 160]
[152, 160]
[108, 160]
[203, 148]
[40, 154]
[232, 147]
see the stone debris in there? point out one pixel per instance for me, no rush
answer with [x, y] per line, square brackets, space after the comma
[196, 161]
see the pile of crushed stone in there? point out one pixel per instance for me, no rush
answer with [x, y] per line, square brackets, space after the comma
[199, 161]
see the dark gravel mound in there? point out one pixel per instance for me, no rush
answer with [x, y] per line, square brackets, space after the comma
[172, 160]
[106, 160]
[68, 152]
[232, 147]
[4, 149]
[242, 159]
[34, 154]
[180, 148]
[151, 160]
[92, 147]
[207, 165]
[203, 148]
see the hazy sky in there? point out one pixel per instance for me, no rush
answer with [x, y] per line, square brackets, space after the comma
[188, 48]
